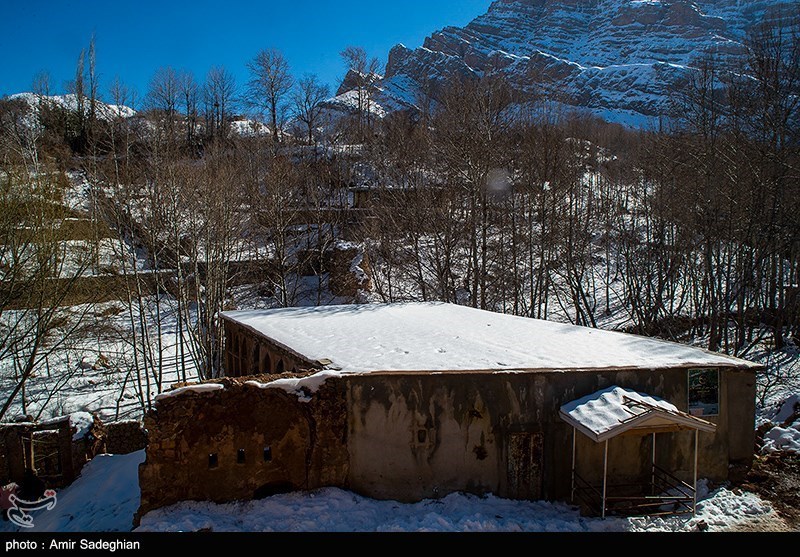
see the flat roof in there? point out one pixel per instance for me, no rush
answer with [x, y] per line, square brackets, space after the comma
[437, 337]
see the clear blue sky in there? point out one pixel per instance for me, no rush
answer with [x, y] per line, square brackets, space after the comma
[135, 38]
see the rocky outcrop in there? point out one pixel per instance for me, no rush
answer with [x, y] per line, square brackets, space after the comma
[617, 58]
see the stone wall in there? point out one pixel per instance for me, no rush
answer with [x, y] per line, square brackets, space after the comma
[241, 443]
[124, 437]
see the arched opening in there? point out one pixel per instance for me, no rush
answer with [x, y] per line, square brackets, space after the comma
[266, 364]
[280, 368]
[255, 360]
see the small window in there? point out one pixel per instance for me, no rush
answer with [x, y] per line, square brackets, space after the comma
[213, 461]
[267, 454]
[704, 392]
[422, 435]
[240, 457]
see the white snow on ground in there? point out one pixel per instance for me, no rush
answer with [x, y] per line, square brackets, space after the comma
[785, 436]
[444, 337]
[336, 510]
[103, 499]
[106, 496]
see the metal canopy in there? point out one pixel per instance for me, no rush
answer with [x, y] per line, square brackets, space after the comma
[616, 411]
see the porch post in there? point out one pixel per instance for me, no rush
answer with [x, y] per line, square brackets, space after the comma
[605, 477]
[572, 490]
[653, 469]
[694, 503]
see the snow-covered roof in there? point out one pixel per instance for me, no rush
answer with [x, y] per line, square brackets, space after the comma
[436, 337]
[613, 411]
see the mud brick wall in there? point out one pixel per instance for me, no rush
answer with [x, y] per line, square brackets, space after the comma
[243, 443]
[125, 437]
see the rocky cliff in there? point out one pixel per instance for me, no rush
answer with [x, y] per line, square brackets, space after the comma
[616, 58]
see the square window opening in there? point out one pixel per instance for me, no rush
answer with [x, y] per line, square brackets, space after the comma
[267, 454]
[213, 461]
[240, 457]
[704, 392]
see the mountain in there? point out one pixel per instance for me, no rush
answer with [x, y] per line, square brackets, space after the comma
[618, 59]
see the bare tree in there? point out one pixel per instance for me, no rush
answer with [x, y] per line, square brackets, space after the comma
[362, 70]
[163, 96]
[219, 93]
[307, 100]
[39, 271]
[189, 91]
[270, 82]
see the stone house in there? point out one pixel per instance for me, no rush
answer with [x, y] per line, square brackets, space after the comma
[415, 401]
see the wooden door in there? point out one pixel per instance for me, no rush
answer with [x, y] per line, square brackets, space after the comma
[525, 466]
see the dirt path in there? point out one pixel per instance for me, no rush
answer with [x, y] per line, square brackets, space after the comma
[776, 478]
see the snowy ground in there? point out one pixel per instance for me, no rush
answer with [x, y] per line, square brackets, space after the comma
[106, 496]
[103, 499]
[785, 435]
[335, 510]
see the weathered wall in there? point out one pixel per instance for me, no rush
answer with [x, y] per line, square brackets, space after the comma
[287, 445]
[472, 424]
[410, 437]
[740, 390]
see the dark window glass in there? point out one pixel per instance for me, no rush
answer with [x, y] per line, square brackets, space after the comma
[704, 392]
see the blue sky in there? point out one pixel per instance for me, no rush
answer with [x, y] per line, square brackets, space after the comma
[135, 38]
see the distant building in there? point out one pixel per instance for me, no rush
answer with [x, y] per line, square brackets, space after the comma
[415, 401]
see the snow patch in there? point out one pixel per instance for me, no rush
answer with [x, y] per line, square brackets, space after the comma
[82, 422]
[204, 388]
[302, 387]
[785, 436]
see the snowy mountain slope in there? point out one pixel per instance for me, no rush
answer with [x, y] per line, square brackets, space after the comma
[70, 102]
[612, 57]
